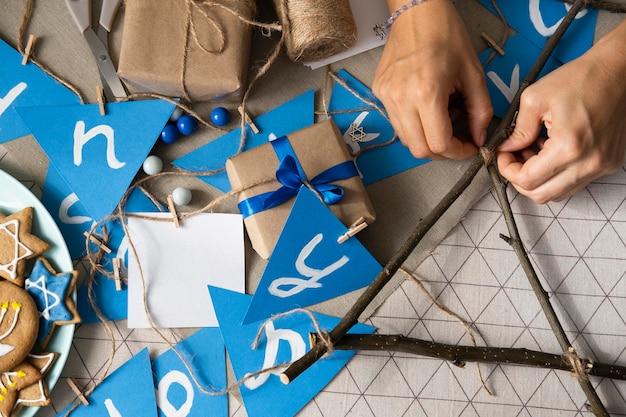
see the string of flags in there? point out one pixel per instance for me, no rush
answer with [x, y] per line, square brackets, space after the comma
[94, 159]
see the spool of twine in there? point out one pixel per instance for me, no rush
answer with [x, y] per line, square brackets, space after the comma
[316, 29]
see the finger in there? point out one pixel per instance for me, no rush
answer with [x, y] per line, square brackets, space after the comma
[410, 132]
[438, 130]
[528, 123]
[478, 106]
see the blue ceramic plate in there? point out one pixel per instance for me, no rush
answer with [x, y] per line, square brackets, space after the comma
[13, 197]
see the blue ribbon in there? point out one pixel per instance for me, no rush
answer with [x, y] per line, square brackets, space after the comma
[292, 177]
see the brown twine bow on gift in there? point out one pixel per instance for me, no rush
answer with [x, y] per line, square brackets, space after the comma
[316, 29]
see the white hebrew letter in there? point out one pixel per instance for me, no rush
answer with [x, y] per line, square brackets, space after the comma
[7, 100]
[64, 209]
[296, 345]
[508, 91]
[174, 377]
[81, 138]
[539, 24]
[298, 284]
[111, 409]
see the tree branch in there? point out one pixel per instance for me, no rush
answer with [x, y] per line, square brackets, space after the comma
[502, 131]
[459, 354]
[602, 5]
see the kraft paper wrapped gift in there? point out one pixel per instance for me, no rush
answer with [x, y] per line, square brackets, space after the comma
[317, 148]
[184, 48]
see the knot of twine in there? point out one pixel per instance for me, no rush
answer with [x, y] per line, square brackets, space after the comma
[578, 368]
[486, 154]
[316, 29]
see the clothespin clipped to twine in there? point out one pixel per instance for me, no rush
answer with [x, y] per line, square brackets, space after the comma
[101, 102]
[356, 227]
[117, 265]
[492, 43]
[172, 208]
[72, 383]
[248, 119]
[29, 49]
[97, 242]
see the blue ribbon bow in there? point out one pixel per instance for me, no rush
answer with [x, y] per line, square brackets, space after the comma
[291, 176]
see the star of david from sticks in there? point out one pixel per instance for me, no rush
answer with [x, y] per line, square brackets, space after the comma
[20, 251]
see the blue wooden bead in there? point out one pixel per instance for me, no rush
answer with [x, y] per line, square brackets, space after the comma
[181, 196]
[169, 134]
[186, 125]
[220, 116]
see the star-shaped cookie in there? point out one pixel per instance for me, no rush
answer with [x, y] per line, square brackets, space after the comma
[52, 295]
[17, 245]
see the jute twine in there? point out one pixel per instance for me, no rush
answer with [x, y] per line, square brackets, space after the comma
[316, 29]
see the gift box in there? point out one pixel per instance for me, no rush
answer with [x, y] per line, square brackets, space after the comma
[316, 156]
[184, 48]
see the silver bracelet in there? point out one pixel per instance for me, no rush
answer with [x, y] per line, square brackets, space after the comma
[380, 28]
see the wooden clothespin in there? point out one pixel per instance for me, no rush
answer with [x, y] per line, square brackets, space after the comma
[101, 102]
[172, 208]
[117, 265]
[30, 45]
[356, 227]
[72, 383]
[492, 43]
[248, 119]
[97, 242]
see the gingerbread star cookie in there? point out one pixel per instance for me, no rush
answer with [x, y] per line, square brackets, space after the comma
[17, 245]
[52, 295]
[19, 323]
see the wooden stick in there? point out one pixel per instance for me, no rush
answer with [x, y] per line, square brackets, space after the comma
[117, 265]
[248, 119]
[97, 242]
[72, 383]
[459, 354]
[101, 102]
[493, 44]
[29, 49]
[172, 208]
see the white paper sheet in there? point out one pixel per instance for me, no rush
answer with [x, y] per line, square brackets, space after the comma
[179, 263]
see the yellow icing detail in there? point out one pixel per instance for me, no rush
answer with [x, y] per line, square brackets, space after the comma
[21, 374]
[15, 305]
[12, 384]
[4, 305]
[4, 389]
[2, 398]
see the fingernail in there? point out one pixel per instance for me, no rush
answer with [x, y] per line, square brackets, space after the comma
[483, 137]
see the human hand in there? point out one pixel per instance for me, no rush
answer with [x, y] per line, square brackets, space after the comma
[427, 58]
[583, 106]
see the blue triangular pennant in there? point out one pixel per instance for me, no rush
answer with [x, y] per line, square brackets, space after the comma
[289, 117]
[505, 73]
[129, 391]
[98, 156]
[264, 395]
[308, 265]
[176, 392]
[538, 19]
[25, 85]
[365, 128]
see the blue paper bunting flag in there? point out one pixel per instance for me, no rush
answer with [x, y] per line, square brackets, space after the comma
[538, 19]
[284, 340]
[362, 129]
[129, 391]
[176, 392]
[98, 156]
[505, 73]
[289, 117]
[25, 85]
[308, 265]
